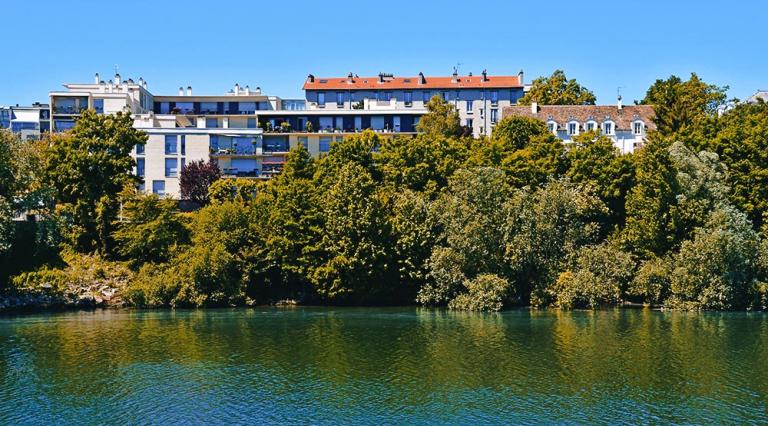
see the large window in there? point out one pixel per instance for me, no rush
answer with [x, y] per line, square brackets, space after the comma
[171, 167]
[408, 98]
[494, 97]
[170, 144]
[98, 105]
[494, 115]
[470, 123]
[158, 187]
[637, 128]
[608, 128]
[252, 123]
[303, 140]
[208, 107]
[140, 149]
[183, 108]
[470, 105]
[325, 144]
[340, 99]
[246, 107]
[140, 163]
[426, 96]
[211, 123]
[63, 125]
[321, 99]
[18, 126]
[573, 128]
[183, 145]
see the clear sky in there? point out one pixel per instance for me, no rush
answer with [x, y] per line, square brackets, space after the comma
[211, 45]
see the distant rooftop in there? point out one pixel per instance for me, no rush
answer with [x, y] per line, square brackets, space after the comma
[388, 81]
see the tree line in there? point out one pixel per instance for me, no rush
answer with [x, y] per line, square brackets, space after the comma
[438, 219]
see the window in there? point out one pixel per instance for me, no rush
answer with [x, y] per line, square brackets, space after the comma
[470, 105]
[325, 144]
[63, 125]
[408, 97]
[426, 96]
[384, 96]
[18, 126]
[211, 123]
[183, 145]
[170, 144]
[591, 126]
[158, 187]
[246, 107]
[209, 107]
[573, 128]
[552, 126]
[140, 149]
[494, 97]
[445, 96]
[340, 99]
[98, 105]
[470, 123]
[303, 140]
[140, 163]
[608, 128]
[252, 124]
[494, 115]
[638, 127]
[321, 99]
[171, 167]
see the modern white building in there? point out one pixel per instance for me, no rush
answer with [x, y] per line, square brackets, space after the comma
[29, 122]
[249, 134]
[627, 126]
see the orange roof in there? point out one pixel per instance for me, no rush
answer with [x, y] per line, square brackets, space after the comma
[394, 83]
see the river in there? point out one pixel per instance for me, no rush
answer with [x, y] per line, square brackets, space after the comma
[382, 366]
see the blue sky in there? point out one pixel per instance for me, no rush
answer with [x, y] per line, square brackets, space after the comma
[211, 45]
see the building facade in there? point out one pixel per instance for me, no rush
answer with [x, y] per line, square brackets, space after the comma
[250, 134]
[29, 122]
[627, 126]
[478, 99]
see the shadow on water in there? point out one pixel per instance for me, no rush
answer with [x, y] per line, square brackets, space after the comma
[368, 365]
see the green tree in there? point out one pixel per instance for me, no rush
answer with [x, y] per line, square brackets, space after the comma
[515, 132]
[593, 160]
[486, 292]
[242, 190]
[88, 166]
[354, 262]
[740, 139]
[717, 269]
[441, 119]
[557, 90]
[149, 228]
[681, 105]
[541, 160]
[422, 163]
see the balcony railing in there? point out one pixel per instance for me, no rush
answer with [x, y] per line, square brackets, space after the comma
[68, 110]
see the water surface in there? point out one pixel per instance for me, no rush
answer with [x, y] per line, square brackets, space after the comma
[383, 366]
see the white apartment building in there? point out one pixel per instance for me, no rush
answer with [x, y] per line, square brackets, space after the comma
[627, 126]
[29, 122]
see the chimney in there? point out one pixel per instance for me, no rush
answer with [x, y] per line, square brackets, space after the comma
[189, 90]
[520, 77]
[485, 75]
[237, 89]
[618, 103]
[422, 80]
[381, 77]
[117, 79]
[181, 91]
[349, 79]
[144, 84]
[311, 78]
[455, 78]
[247, 90]
[141, 81]
[470, 73]
[534, 107]
[96, 78]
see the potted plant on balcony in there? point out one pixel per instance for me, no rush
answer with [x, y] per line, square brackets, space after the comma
[310, 127]
[268, 126]
[285, 126]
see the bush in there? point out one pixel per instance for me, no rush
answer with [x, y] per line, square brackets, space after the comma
[719, 268]
[600, 278]
[651, 283]
[486, 292]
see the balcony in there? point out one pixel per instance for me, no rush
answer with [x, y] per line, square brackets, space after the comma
[68, 110]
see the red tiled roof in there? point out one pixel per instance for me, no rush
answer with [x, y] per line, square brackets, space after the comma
[394, 83]
[562, 114]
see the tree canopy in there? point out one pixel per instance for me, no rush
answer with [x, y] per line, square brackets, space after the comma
[557, 90]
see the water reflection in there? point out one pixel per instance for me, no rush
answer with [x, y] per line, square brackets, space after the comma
[373, 365]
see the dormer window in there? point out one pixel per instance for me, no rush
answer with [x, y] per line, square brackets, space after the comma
[552, 126]
[573, 128]
[638, 127]
[591, 126]
[608, 128]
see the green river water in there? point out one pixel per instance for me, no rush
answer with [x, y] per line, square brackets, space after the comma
[383, 366]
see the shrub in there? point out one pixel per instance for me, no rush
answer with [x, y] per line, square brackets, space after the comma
[486, 292]
[651, 283]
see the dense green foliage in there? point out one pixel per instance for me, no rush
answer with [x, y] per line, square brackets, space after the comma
[439, 218]
[558, 90]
